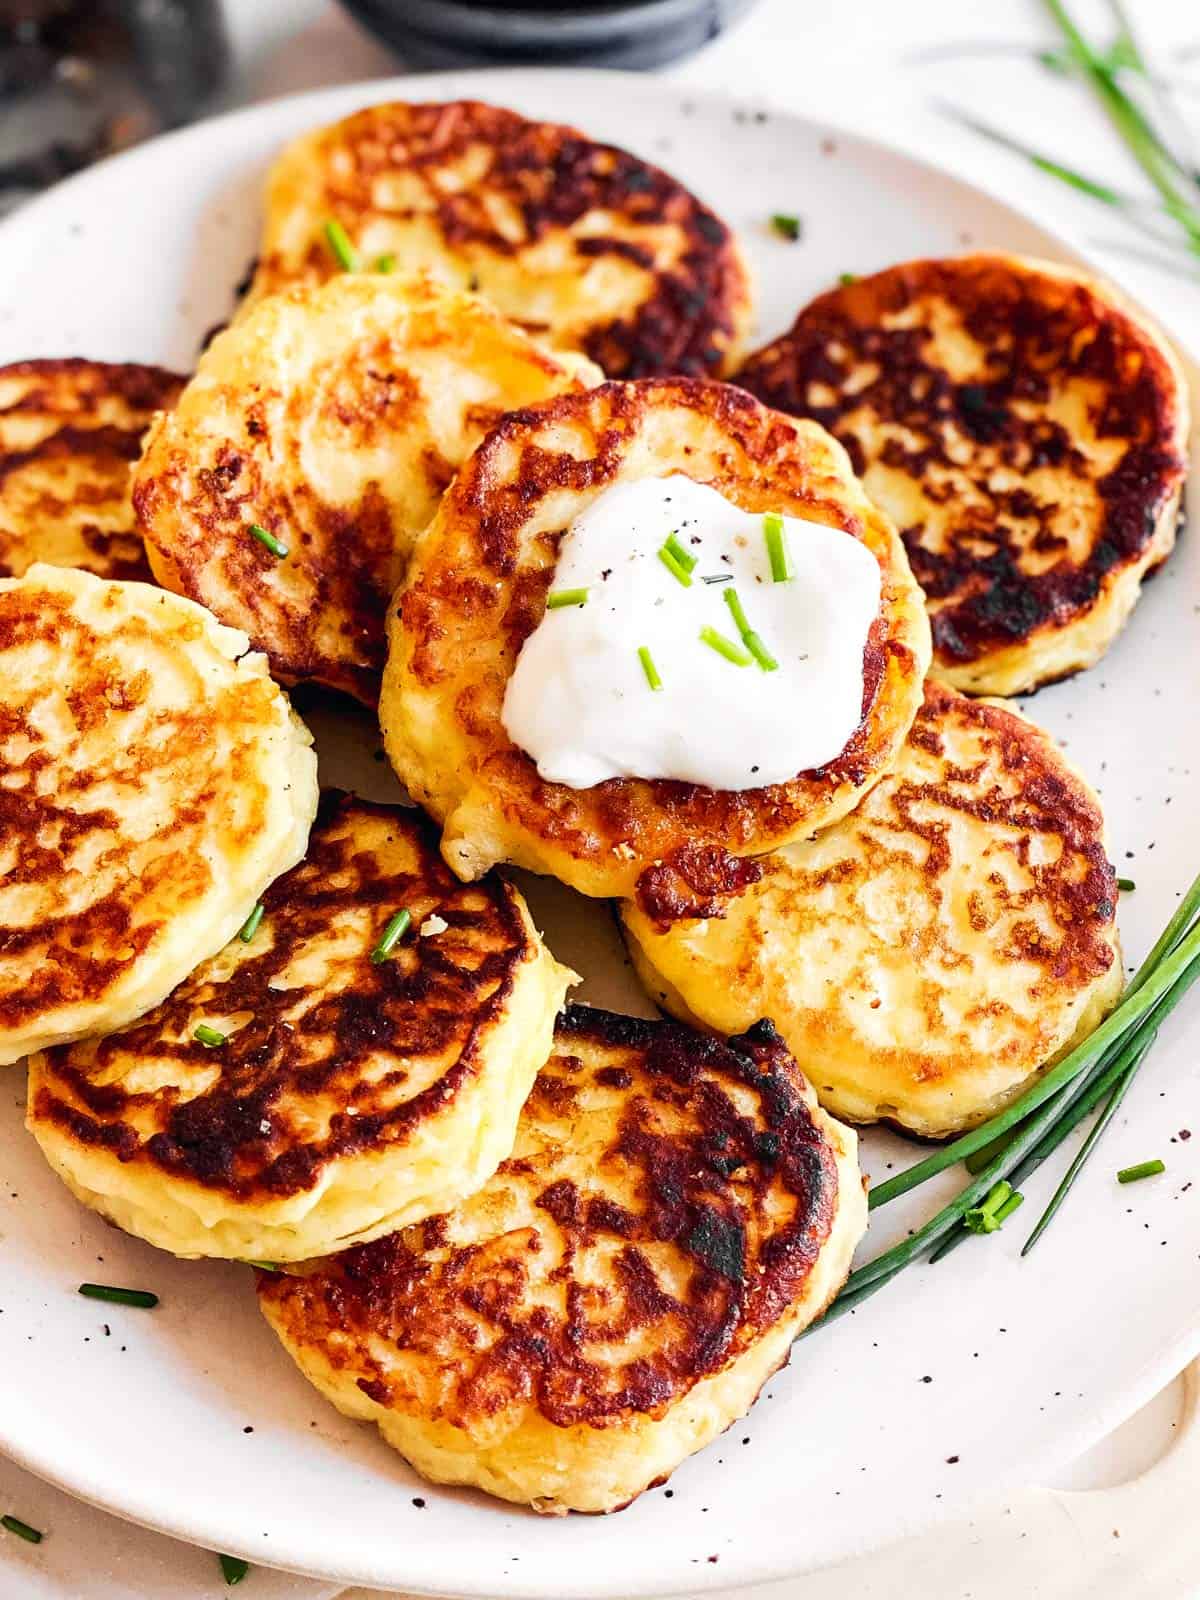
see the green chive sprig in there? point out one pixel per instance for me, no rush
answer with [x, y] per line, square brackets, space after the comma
[1143, 1169]
[22, 1529]
[233, 1569]
[679, 562]
[267, 538]
[142, 1298]
[397, 927]
[650, 670]
[250, 927]
[558, 598]
[1016, 1141]
[343, 251]
[385, 263]
[777, 550]
[749, 638]
[723, 646]
[1126, 885]
[212, 1037]
[787, 226]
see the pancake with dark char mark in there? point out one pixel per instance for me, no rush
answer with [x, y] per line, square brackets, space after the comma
[580, 243]
[153, 781]
[929, 955]
[70, 433]
[349, 1095]
[476, 589]
[1024, 427]
[675, 1211]
[333, 418]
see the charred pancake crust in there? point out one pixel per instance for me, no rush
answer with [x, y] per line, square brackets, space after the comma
[289, 1092]
[334, 419]
[491, 189]
[154, 779]
[929, 954]
[479, 584]
[1062, 414]
[688, 1233]
[70, 431]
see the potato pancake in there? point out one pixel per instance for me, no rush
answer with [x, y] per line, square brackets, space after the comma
[153, 781]
[70, 432]
[335, 1092]
[332, 419]
[676, 1210]
[477, 588]
[1026, 430]
[929, 955]
[582, 244]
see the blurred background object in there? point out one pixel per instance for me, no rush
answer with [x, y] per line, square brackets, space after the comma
[80, 79]
[594, 33]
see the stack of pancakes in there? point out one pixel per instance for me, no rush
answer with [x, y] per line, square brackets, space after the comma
[549, 1250]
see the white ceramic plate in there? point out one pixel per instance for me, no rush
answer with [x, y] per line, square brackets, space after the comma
[957, 1382]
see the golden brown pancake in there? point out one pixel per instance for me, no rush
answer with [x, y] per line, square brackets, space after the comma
[332, 417]
[70, 432]
[477, 588]
[932, 953]
[676, 1210]
[580, 243]
[343, 1096]
[153, 781]
[1026, 430]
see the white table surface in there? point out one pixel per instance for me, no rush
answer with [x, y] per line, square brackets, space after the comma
[1121, 1522]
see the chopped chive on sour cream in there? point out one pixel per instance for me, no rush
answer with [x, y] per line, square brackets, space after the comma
[718, 646]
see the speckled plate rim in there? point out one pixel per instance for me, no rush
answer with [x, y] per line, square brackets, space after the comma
[425, 1569]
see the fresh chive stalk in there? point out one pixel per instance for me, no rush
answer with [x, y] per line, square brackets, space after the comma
[250, 927]
[1143, 1169]
[267, 538]
[985, 1156]
[203, 1034]
[1126, 885]
[22, 1529]
[648, 667]
[675, 567]
[1146, 990]
[982, 1218]
[786, 226]
[723, 646]
[847, 278]
[777, 550]
[396, 929]
[233, 1569]
[338, 241]
[1041, 1118]
[749, 638]
[1112, 1075]
[142, 1298]
[1140, 138]
[681, 553]
[385, 263]
[558, 598]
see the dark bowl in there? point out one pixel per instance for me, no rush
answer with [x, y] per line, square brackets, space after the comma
[596, 33]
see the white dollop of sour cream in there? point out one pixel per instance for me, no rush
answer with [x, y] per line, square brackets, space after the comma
[579, 701]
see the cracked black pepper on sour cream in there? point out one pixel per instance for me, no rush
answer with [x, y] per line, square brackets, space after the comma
[687, 639]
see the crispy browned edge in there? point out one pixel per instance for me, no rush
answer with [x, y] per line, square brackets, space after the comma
[495, 591]
[550, 176]
[216, 1138]
[1043, 314]
[388, 1288]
